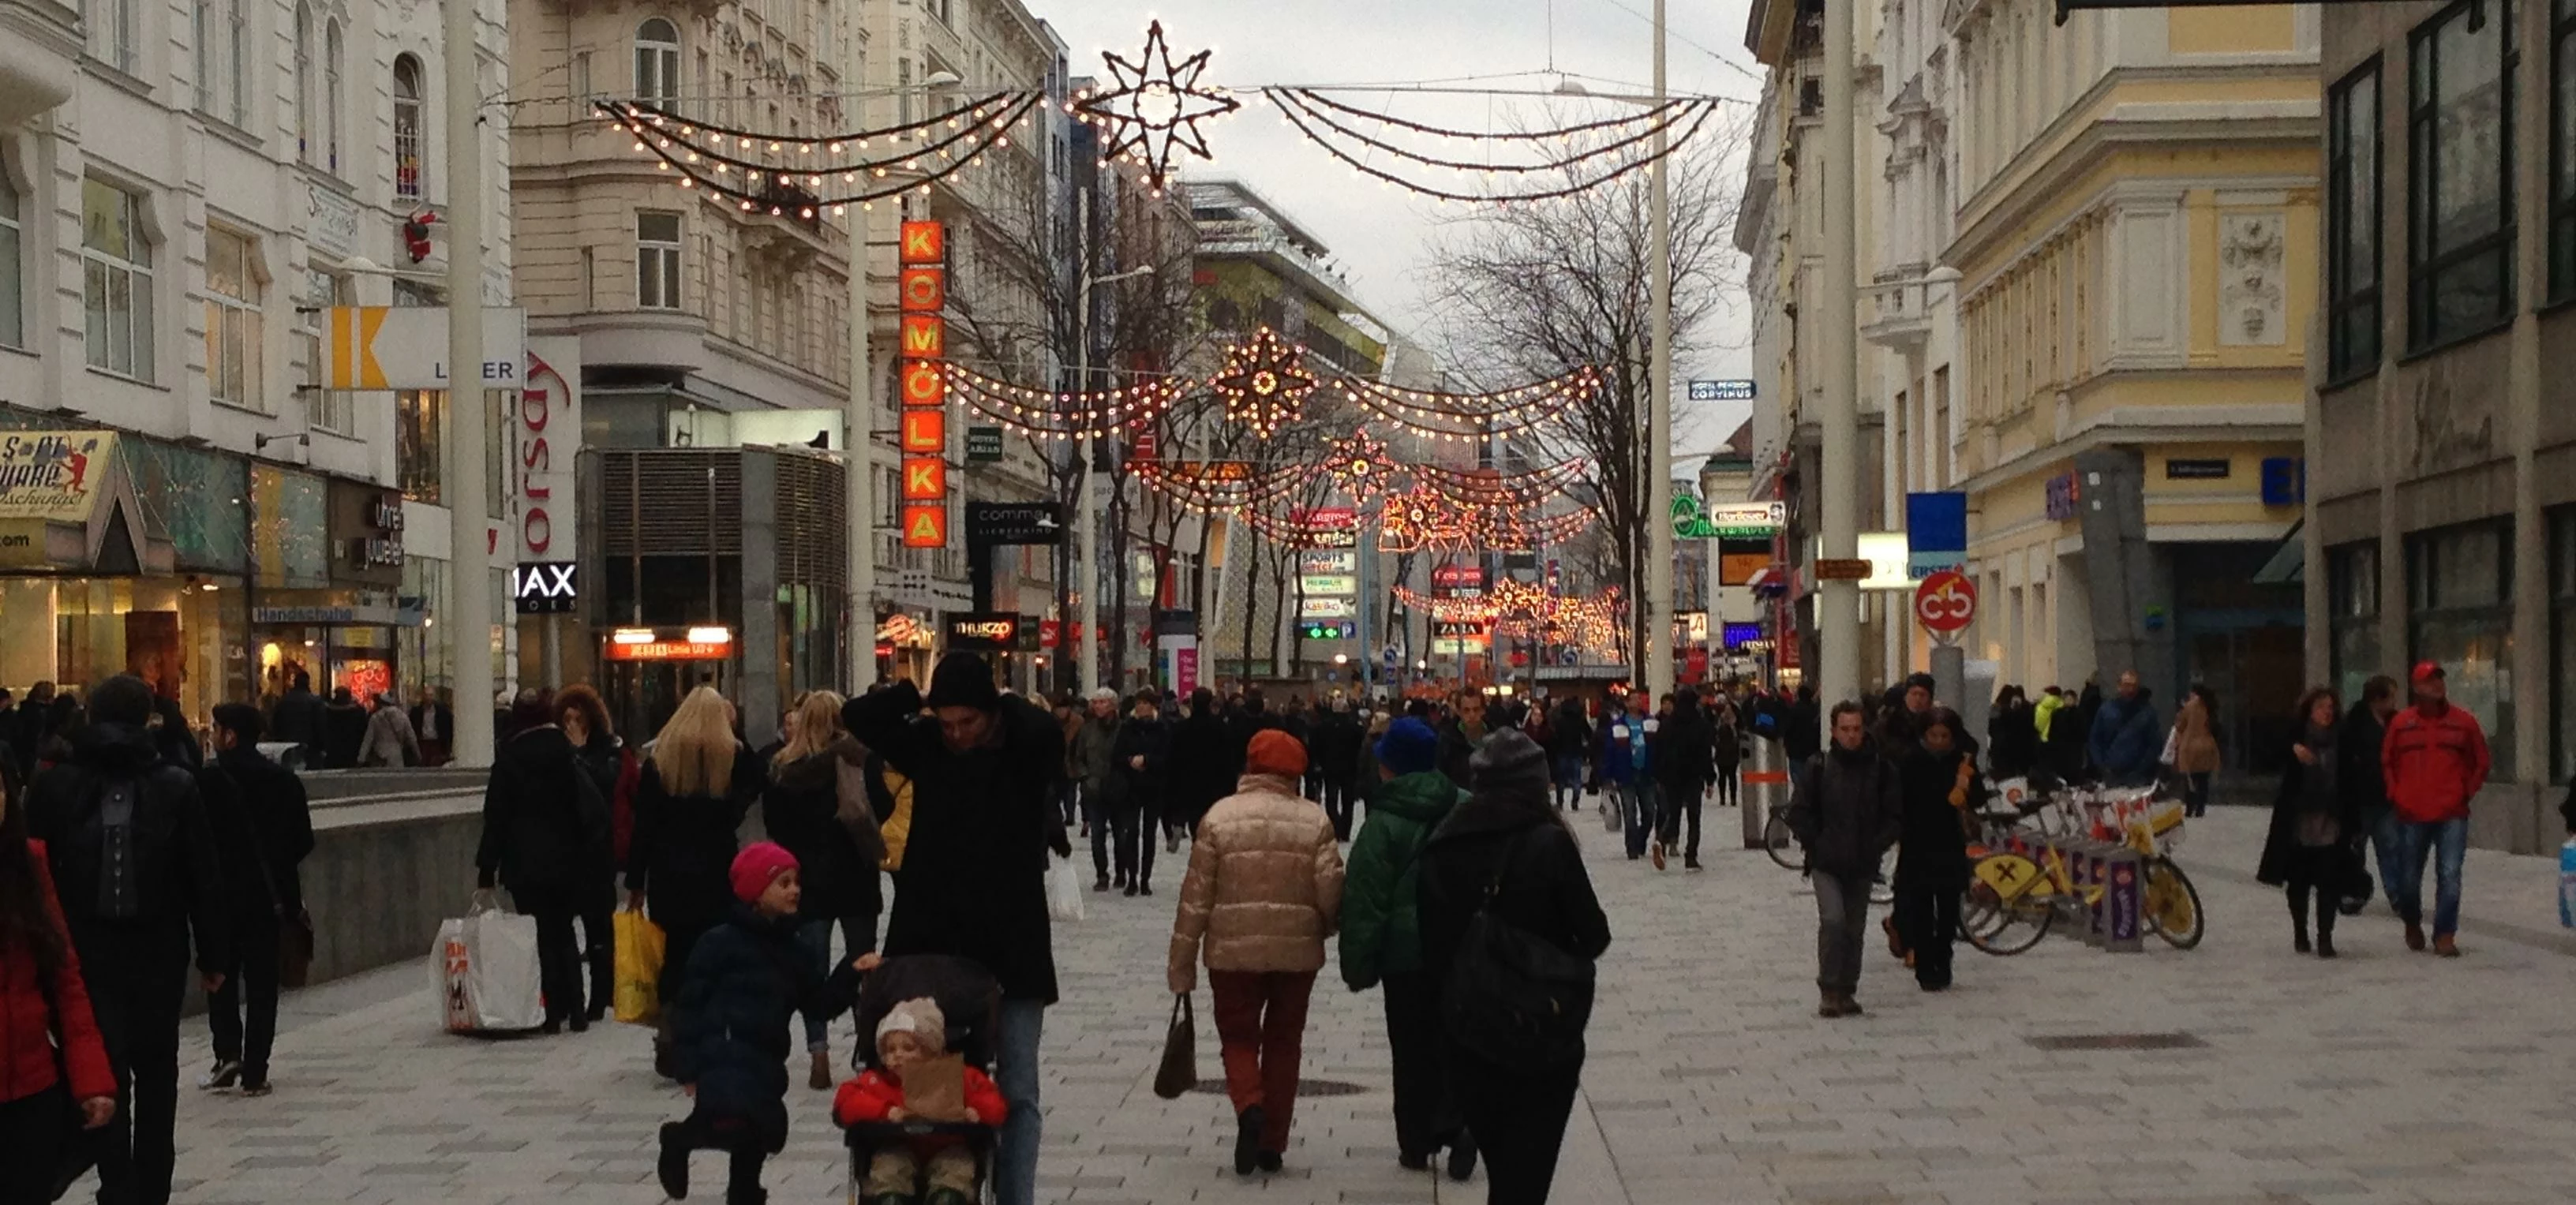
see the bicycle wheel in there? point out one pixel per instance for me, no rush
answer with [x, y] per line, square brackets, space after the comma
[1777, 841]
[2172, 905]
[2006, 909]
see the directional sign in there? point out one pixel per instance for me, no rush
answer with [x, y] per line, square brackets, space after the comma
[1326, 608]
[983, 445]
[405, 347]
[1946, 603]
[1848, 570]
[1313, 584]
[1721, 391]
[1014, 522]
[1328, 561]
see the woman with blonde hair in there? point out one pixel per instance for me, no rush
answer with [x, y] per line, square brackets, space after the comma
[697, 784]
[817, 806]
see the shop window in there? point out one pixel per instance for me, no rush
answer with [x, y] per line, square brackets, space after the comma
[332, 410]
[232, 321]
[420, 431]
[410, 172]
[2459, 199]
[2352, 604]
[116, 281]
[657, 261]
[2459, 583]
[2562, 151]
[2352, 224]
[657, 64]
[12, 284]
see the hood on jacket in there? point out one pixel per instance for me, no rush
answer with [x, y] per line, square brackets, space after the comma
[1424, 797]
[1512, 790]
[114, 748]
[1267, 784]
[533, 749]
[820, 771]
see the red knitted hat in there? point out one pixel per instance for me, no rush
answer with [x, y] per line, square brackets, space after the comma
[757, 866]
[1275, 752]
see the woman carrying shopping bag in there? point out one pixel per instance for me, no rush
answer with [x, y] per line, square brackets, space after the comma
[545, 837]
[698, 783]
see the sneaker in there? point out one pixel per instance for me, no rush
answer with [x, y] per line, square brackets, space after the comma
[673, 1165]
[1659, 855]
[256, 1088]
[2415, 936]
[226, 1073]
[2446, 946]
[1247, 1141]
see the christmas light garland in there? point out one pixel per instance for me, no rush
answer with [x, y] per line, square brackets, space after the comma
[691, 149]
[1662, 118]
[1699, 119]
[1061, 415]
[1462, 416]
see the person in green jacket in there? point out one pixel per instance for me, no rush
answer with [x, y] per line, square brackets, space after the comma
[1382, 939]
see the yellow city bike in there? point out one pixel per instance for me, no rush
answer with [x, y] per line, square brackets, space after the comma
[2014, 898]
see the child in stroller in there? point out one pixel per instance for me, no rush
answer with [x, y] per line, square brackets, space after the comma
[918, 1009]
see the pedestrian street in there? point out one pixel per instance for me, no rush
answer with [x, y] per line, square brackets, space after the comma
[2381, 1077]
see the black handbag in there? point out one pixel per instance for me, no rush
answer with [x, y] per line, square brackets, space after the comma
[1179, 1070]
[1514, 997]
[2352, 880]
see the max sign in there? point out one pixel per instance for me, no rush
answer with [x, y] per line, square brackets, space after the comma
[543, 587]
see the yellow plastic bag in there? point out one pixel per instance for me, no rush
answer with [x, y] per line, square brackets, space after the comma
[639, 969]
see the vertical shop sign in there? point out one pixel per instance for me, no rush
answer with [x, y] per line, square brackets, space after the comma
[549, 440]
[922, 288]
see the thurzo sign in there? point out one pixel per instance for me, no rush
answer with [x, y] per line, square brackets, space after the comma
[371, 347]
[984, 631]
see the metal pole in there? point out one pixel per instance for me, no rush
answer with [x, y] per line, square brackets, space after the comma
[1086, 548]
[1837, 328]
[1656, 614]
[469, 578]
[858, 448]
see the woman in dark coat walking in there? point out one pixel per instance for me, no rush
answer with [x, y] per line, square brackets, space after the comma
[545, 837]
[1507, 851]
[1202, 764]
[816, 806]
[2012, 735]
[2313, 819]
[613, 770]
[1942, 790]
[697, 784]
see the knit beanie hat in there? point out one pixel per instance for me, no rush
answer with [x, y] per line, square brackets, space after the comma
[757, 866]
[1275, 752]
[920, 1017]
[963, 680]
[1409, 747]
[1509, 763]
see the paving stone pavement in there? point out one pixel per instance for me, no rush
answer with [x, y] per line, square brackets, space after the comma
[2383, 1078]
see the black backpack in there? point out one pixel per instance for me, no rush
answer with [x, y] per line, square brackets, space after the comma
[1513, 997]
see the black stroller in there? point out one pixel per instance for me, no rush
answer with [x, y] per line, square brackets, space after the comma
[971, 1000]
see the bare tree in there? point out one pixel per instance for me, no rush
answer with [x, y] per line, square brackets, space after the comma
[1529, 292]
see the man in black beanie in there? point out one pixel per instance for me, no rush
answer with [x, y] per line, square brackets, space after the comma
[984, 770]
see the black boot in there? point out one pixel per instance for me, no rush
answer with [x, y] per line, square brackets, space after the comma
[673, 1166]
[1462, 1157]
[1247, 1141]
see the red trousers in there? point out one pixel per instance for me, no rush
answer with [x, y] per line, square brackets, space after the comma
[1261, 1028]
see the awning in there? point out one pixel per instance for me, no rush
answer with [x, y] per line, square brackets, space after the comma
[2289, 562]
[1769, 580]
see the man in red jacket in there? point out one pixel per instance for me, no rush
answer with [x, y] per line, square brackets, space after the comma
[2435, 759]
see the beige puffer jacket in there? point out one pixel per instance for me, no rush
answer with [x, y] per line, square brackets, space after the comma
[1264, 887]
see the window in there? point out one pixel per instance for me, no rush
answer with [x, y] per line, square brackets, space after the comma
[410, 179]
[2459, 583]
[12, 288]
[657, 261]
[112, 36]
[232, 321]
[330, 410]
[2460, 176]
[2352, 603]
[333, 109]
[657, 63]
[2352, 224]
[420, 425]
[116, 281]
[223, 46]
[2562, 151]
[303, 81]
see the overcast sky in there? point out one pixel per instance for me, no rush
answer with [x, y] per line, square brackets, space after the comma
[1380, 236]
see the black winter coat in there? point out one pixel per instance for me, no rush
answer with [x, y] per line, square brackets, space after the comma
[747, 977]
[178, 884]
[344, 731]
[1335, 750]
[1800, 737]
[2359, 777]
[973, 882]
[837, 862]
[1935, 842]
[1201, 766]
[263, 829]
[298, 718]
[2286, 861]
[1544, 889]
[681, 853]
[1683, 752]
[545, 824]
[2012, 741]
[1847, 809]
[1128, 786]
[1456, 746]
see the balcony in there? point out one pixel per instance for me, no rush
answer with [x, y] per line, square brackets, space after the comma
[39, 57]
[1896, 311]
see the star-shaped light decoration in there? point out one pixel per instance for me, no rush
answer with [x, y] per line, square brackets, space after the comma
[1155, 106]
[1263, 383]
[1360, 466]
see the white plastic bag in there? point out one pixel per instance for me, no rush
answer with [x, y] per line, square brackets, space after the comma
[1064, 891]
[485, 966]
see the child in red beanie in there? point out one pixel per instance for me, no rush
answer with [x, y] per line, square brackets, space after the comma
[745, 981]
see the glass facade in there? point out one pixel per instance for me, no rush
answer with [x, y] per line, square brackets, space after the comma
[2459, 582]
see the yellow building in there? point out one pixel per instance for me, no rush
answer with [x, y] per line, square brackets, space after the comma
[2136, 243]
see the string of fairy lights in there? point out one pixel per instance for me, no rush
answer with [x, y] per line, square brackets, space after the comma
[1060, 414]
[1528, 611]
[808, 176]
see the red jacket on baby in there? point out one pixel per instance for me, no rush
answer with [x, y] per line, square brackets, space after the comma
[874, 1094]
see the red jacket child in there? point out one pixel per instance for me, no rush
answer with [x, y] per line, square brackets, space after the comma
[32, 1011]
[912, 1031]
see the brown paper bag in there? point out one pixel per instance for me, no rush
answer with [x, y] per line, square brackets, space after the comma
[934, 1089]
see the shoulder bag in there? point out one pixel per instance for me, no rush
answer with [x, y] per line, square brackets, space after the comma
[1513, 997]
[1179, 1071]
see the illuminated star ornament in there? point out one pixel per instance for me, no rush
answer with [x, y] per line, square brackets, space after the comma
[1263, 384]
[1156, 106]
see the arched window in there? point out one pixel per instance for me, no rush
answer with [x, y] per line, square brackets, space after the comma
[303, 81]
[410, 171]
[334, 109]
[657, 63]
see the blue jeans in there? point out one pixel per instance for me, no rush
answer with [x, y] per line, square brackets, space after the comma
[2388, 842]
[859, 933]
[1642, 804]
[2447, 843]
[1015, 1070]
[1569, 781]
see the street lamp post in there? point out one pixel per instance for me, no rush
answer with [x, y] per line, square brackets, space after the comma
[469, 580]
[1086, 538]
[1655, 615]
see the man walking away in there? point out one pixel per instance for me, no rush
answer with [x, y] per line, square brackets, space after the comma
[1134, 798]
[2126, 740]
[263, 830]
[1846, 811]
[1336, 751]
[298, 719]
[390, 740]
[1682, 772]
[1802, 738]
[1728, 742]
[2358, 747]
[2435, 760]
[1569, 741]
[133, 859]
[1089, 760]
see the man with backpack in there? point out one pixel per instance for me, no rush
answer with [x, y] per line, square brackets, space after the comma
[134, 864]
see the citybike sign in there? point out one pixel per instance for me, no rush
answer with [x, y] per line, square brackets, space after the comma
[1946, 603]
